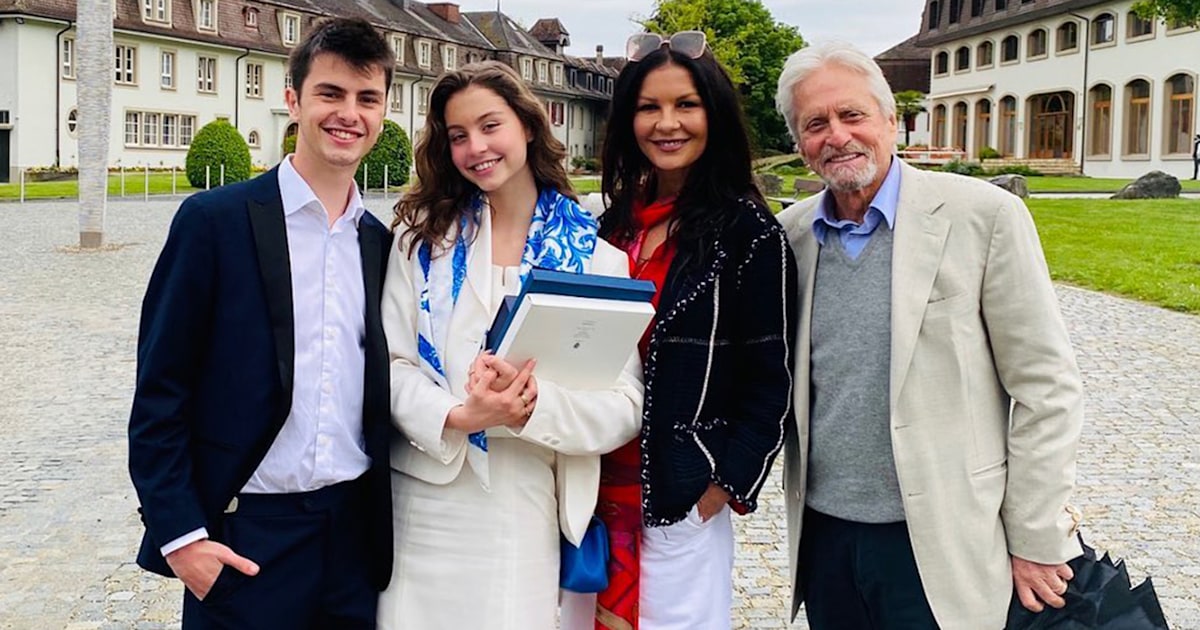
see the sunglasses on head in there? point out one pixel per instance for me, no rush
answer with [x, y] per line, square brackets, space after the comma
[690, 43]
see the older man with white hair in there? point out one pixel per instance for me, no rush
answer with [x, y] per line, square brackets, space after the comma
[938, 402]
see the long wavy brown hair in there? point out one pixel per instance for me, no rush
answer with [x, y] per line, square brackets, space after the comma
[441, 194]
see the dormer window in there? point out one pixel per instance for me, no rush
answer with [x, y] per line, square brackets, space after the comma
[206, 15]
[527, 69]
[542, 69]
[557, 73]
[398, 48]
[289, 28]
[156, 11]
[424, 53]
[251, 15]
[449, 57]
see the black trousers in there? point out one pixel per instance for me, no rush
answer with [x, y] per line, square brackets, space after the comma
[313, 570]
[860, 576]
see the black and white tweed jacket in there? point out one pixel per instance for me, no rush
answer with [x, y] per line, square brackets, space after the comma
[718, 374]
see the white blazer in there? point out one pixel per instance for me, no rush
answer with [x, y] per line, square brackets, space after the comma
[986, 400]
[578, 425]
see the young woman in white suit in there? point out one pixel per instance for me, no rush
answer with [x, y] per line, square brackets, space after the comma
[490, 464]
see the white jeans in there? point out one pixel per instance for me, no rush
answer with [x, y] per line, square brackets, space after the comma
[687, 574]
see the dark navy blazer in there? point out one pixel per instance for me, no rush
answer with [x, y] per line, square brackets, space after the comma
[215, 365]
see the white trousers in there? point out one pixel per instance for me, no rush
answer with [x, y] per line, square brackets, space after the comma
[686, 581]
[687, 574]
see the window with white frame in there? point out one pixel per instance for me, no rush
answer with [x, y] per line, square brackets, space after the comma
[557, 74]
[424, 53]
[287, 79]
[290, 29]
[187, 129]
[156, 11]
[398, 96]
[5, 118]
[68, 58]
[527, 69]
[206, 74]
[557, 115]
[170, 130]
[423, 99]
[449, 57]
[251, 17]
[543, 69]
[150, 137]
[398, 42]
[73, 121]
[253, 139]
[133, 125]
[166, 70]
[159, 129]
[254, 76]
[126, 64]
[206, 15]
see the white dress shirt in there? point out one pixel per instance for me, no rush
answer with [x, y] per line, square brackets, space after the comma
[321, 442]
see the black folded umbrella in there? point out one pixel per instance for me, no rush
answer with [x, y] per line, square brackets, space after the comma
[1098, 597]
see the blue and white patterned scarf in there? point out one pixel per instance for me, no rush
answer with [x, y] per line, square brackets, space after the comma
[562, 236]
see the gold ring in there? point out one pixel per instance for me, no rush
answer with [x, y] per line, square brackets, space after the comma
[524, 400]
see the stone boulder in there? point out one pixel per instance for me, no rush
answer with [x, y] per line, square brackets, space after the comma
[769, 184]
[811, 186]
[1152, 185]
[1013, 183]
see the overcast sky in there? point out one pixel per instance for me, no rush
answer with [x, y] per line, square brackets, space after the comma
[875, 25]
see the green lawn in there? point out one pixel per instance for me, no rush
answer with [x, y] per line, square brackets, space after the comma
[1145, 250]
[135, 183]
[1090, 184]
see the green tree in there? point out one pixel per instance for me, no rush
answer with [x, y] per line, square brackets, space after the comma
[1173, 11]
[909, 103]
[752, 46]
[392, 149]
[215, 144]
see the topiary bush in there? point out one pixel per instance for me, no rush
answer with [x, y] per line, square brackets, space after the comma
[394, 150]
[215, 144]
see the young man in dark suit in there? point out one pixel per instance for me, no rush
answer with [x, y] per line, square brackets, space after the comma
[259, 430]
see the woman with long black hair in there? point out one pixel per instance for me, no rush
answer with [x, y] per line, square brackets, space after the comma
[717, 359]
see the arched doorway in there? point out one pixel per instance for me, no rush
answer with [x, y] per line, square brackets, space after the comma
[290, 132]
[1052, 128]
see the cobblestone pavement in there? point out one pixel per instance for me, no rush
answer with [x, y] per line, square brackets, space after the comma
[68, 528]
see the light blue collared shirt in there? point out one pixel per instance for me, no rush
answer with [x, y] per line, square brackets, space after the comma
[855, 236]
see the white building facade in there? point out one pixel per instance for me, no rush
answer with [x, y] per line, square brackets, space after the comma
[1080, 80]
[180, 64]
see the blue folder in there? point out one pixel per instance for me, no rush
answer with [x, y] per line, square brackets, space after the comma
[552, 282]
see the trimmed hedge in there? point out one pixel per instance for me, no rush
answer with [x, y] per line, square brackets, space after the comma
[215, 144]
[392, 149]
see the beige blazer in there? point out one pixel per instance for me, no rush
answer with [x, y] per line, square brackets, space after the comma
[985, 396]
[578, 425]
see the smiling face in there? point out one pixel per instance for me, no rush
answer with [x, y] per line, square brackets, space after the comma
[844, 135]
[670, 125]
[339, 111]
[488, 142]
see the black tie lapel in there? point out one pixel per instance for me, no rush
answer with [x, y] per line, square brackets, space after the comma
[372, 267]
[270, 240]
